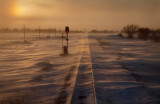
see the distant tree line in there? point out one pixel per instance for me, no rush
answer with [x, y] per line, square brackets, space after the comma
[9, 30]
[102, 31]
[142, 33]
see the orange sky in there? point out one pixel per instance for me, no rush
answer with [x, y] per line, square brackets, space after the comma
[80, 14]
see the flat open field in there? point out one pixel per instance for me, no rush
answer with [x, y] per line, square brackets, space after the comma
[100, 68]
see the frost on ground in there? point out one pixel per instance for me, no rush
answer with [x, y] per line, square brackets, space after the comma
[126, 71]
[33, 72]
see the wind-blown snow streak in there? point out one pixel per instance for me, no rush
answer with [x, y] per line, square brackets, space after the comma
[119, 77]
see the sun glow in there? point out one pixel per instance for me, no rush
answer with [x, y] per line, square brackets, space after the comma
[16, 11]
[19, 10]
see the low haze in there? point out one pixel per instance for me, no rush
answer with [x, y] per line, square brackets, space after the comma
[79, 51]
[80, 14]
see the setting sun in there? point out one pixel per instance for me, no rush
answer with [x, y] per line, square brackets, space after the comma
[18, 10]
[110, 14]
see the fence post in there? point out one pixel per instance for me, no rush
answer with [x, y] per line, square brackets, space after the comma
[24, 33]
[39, 32]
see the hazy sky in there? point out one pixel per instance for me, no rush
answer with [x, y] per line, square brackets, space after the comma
[80, 14]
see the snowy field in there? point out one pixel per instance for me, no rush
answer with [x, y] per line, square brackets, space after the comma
[100, 68]
[126, 71]
[33, 72]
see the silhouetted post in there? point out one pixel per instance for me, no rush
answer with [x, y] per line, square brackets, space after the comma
[24, 33]
[66, 47]
[67, 31]
[39, 32]
[55, 31]
[67, 40]
[62, 39]
[49, 32]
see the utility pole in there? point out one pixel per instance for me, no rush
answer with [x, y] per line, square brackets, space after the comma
[49, 32]
[55, 31]
[39, 32]
[62, 40]
[24, 29]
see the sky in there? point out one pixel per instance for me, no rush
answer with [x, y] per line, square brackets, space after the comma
[80, 14]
